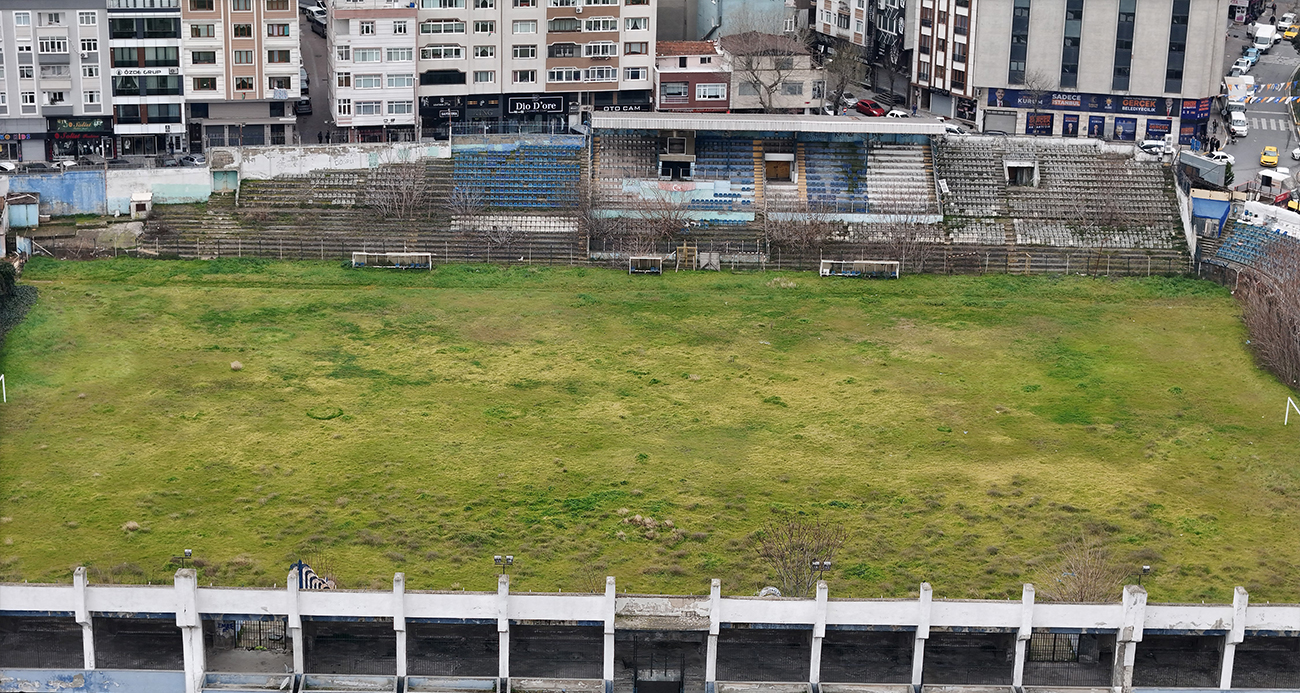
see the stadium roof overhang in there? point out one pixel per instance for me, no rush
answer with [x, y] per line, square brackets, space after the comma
[736, 122]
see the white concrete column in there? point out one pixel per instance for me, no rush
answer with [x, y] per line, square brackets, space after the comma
[1240, 600]
[187, 619]
[1130, 634]
[82, 615]
[611, 603]
[715, 623]
[818, 634]
[399, 620]
[503, 634]
[922, 634]
[295, 623]
[1023, 635]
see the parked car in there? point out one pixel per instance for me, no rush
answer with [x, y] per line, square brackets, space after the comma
[1153, 146]
[847, 99]
[1287, 19]
[896, 113]
[1243, 64]
[317, 14]
[1238, 125]
[954, 129]
[1268, 157]
[868, 107]
[8, 166]
[303, 107]
[65, 164]
[38, 166]
[1295, 154]
[169, 162]
[1226, 158]
[1291, 32]
[1252, 54]
[194, 160]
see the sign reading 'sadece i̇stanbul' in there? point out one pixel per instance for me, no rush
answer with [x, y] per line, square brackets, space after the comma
[1168, 107]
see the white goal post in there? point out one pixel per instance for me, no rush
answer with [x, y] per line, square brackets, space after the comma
[394, 260]
[1286, 420]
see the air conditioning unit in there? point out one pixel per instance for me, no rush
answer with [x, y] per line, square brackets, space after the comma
[578, 10]
[84, 55]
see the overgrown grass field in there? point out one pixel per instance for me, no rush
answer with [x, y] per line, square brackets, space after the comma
[960, 428]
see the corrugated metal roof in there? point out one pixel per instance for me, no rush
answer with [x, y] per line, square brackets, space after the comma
[753, 122]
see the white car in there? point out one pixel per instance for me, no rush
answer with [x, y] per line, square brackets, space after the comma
[1295, 154]
[1226, 158]
[1238, 124]
[1242, 64]
[897, 113]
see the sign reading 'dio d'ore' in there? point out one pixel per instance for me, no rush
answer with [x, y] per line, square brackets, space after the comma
[1078, 101]
[541, 104]
[1038, 123]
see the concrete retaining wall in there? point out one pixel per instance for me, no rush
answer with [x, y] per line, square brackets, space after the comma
[272, 162]
[94, 191]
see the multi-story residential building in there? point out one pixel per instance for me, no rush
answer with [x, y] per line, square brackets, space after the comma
[691, 76]
[1114, 68]
[241, 64]
[372, 59]
[942, 57]
[52, 80]
[148, 82]
[771, 74]
[533, 60]
[879, 32]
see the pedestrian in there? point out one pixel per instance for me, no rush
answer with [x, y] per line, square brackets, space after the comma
[327, 138]
[320, 137]
[913, 109]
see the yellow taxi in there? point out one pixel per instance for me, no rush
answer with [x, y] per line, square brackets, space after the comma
[1291, 32]
[1268, 157]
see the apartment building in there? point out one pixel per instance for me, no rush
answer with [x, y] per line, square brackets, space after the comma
[942, 58]
[52, 82]
[372, 59]
[691, 77]
[148, 91]
[772, 73]
[241, 62]
[533, 60]
[1118, 69]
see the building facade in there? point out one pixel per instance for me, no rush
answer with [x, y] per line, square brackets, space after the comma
[372, 60]
[148, 81]
[941, 57]
[1116, 69]
[241, 65]
[690, 76]
[772, 74]
[539, 61]
[53, 81]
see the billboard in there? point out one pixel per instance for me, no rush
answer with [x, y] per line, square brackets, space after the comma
[1190, 109]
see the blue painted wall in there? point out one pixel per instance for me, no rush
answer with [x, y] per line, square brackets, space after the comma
[23, 216]
[98, 681]
[63, 194]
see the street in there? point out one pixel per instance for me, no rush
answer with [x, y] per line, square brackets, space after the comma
[1270, 123]
[317, 64]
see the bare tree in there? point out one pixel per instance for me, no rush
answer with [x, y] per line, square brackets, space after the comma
[910, 236]
[800, 228]
[1037, 83]
[467, 209]
[398, 191]
[1085, 573]
[1270, 304]
[843, 68]
[791, 546]
[765, 61]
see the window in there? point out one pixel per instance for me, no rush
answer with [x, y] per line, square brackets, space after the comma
[366, 55]
[369, 81]
[484, 76]
[24, 19]
[792, 88]
[485, 27]
[242, 5]
[24, 48]
[277, 5]
[365, 108]
[958, 80]
[243, 57]
[399, 27]
[485, 4]
[242, 30]
[52, 19]
[524, 26]
[400, 80]
[344, 107]
[1019, 41]
[674, 92]
[635, 74]
[447, 52]
[55, 98]
[637, 23]
[203, 30]
[637, 2]
[87, 18]
[941, 45]
[343, 52]
[243, 84]
[162, 28]
[55, 72]
[367, 28]
[344, 79]
[562, 50]
[401, 107]
[121, 28]
[397, 55]
[205, 84]
[442, 26]
[89, 45]
[564, 24]
[87, 72]
[128, 113]
[562, 3]
[1177, 47]
[203, 57]
[943, 17]
[1123, 45]
[1070, 44]
[842, 21]
[589, 3]
[125, 57]
[525, 3]
[28, 101]
[601, 24]
[923, 72]
[748, 89]
[564, 74]
[277, 56]
[24, 72]
[923, 44]
[525, 76]
[443, 4]
[958, 52]
[710, 92]
[53, 44]
[819, 89]
[485, 51]
[277, 29]
[789, 25]
[279, 82]
[636, 48]
[927, 16]
[961, 24]
[600, 49]
[525, 52]
[601, 74]
[857, 26]
[161, 56]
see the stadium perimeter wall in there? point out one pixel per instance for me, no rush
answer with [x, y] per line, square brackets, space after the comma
[273, 162]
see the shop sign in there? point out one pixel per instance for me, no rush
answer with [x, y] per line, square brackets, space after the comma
[536, 104]
[1078, 101]
[12, 136]
[1039, 123]
[79, 125]
[625, 107]
[145, 71]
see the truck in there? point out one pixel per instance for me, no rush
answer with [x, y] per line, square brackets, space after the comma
[1264, 37]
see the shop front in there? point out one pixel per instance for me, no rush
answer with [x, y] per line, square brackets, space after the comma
[21, 146]
[76, 137]
[1103, 116]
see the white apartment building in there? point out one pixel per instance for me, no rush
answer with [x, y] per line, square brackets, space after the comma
[242, 63]
[533, 60]
[53, 88]
[148, 82]
[943, 57]
[372, 60]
